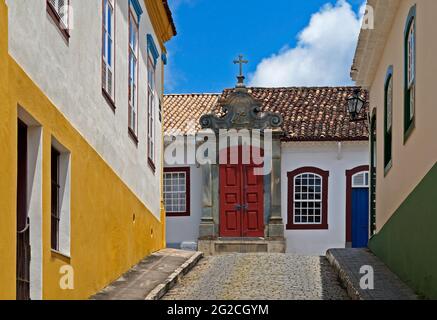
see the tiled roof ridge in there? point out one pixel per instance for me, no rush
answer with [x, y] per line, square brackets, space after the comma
[193, 94]
[262, 88]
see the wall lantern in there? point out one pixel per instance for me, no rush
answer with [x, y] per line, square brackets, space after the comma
[355, 104]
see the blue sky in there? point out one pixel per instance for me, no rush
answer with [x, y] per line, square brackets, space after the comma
[288, 43]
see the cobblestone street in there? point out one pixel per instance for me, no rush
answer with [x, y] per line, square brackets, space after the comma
[260, 277]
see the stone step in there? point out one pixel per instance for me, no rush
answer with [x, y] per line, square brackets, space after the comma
[244, 245]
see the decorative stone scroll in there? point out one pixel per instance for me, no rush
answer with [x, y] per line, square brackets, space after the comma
[241, 111]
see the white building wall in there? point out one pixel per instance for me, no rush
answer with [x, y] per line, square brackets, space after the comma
[70, 75]
[186, 229]
[328, 156]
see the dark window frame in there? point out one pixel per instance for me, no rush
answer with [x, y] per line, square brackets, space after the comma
[53, 13]
[187, 172]
[409, 120]
[388, 134]
[55, 190]
[324, 225]
[373, 170]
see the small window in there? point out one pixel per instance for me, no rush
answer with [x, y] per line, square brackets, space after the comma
[308, 199]
[133, 73]
[388, 125]
[410, 71]
[360, 180]
[108, 50]
[59, 11]
[177, 191]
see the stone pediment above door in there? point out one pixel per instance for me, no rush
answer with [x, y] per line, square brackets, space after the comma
[241, 111]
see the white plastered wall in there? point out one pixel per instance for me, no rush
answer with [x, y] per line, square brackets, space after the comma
[328, 156]
[70, 75]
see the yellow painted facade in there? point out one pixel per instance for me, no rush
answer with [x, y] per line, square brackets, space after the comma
[111, 229]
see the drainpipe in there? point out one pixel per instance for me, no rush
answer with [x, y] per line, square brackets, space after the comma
[339, 150]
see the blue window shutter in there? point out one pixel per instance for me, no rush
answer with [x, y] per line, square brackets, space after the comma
[137, 7]
[164, 58]
[152, 48]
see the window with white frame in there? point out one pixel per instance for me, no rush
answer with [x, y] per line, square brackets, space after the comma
[133, 73]
[151, 109]
[60, 7]
[59, 11]
[360, 180]
[308, 199]
[108, 48]
[177, 191]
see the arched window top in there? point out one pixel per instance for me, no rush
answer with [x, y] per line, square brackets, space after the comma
[360, 180]
[410, 18]
[388, 118]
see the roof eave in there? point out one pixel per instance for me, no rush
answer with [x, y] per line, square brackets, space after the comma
[371, 43]
[162, 20]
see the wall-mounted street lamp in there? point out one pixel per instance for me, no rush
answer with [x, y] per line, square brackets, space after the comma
[355, 104]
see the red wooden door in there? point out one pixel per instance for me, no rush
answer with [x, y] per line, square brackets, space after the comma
[241, 201]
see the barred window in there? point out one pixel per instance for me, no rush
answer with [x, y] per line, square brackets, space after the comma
[177, 191]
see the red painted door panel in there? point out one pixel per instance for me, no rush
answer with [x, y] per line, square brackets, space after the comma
[253, 195]
[230, 198]
[241, 201]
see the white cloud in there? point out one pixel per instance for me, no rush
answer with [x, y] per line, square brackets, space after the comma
[323, 54]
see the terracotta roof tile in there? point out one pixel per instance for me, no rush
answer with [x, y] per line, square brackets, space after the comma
[310, 114]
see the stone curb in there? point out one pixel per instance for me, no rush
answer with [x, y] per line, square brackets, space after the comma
[353, 292]
[161, 289]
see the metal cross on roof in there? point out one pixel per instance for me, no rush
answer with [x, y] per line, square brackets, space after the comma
[240, 61]
[241, 77]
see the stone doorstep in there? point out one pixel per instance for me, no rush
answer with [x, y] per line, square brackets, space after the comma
[152, 277]
[243, 245]
[347, 264]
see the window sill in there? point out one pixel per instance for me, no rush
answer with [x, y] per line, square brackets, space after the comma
[183, 214]
[307, 227]
[57, 20]
[60, 256]
[151, 165]
[133, 136]
[109, 99]
[409, 131]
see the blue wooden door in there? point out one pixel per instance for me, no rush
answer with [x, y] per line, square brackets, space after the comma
[360, 217]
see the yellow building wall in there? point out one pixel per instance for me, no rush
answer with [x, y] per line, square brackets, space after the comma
[7, 170]
[111, 229]
[414, 159]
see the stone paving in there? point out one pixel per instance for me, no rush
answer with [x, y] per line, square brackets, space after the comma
[260, 277]
[150, 278]
[386, 285]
